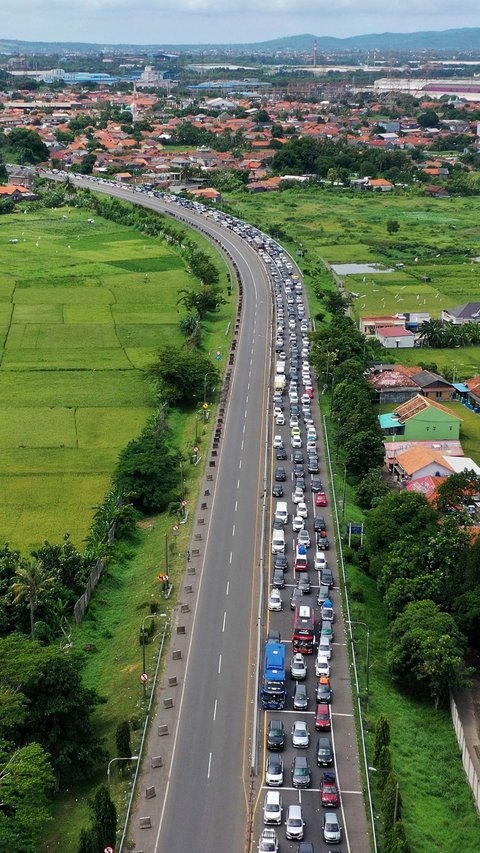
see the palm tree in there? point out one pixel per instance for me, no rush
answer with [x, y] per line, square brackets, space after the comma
[31, 584]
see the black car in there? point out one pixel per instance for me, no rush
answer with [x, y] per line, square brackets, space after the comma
[327, 577]
[301, 484]
[280, 562]
[275, 735]
[278, 581]
[280, 454]
[298, 457]
[301, 773]
[274, 636]
[277, 524]
[300, 697]
[319, 524]
[306, 847]
[317, 485]
[304, 582]
[323, 543]
[324, 693]
[277, 491]
[313, 466]
[299, 470]
[324, 752]
[280, 475]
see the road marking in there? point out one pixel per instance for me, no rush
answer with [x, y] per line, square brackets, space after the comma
[233, 530]
[242, 444]
[352, 792]
[219, 664]
[240, 464]
[224, 620]
[215, 711]
[231, 558]
[285, 788]
[244, 428]
[238, 484]
[248, 387]
[236, 505]
[228, 587]
[246, 412]
[246, 399]
[336, 714]
[209, 765]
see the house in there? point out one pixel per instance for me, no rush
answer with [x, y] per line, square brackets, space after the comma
[421, 419]
[393, 383]
[395, 337]
[427, 486]
[395, 448]
[421, 462]
[17, 192]
[469, 312]
[208, 193]
[379, 185]
[369, 325]
[434, 386]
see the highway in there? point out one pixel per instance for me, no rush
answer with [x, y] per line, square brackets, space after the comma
[203, 804]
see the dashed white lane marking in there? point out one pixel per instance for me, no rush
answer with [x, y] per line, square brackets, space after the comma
[233, 530]
[215, 711]
[231, 558]
[238, 484]
[219, 664]
[240, 464]
[224, 620]
[228, 586]
[236, 505]
[209, 765]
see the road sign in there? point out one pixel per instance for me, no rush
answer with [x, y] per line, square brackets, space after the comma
[354, 528]
[184, 503]
[144, 677]
[108, 850]
[196, 449]
[175, 529]
[205, 406]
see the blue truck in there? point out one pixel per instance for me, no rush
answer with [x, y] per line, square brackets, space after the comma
[273, 692]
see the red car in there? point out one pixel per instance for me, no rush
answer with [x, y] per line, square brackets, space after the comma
[321, 499]
[322, 718]
[329, 795]
[309, 393]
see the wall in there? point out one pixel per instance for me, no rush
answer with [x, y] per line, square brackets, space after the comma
[468, 761]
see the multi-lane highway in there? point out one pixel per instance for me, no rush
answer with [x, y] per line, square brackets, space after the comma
[203, 802]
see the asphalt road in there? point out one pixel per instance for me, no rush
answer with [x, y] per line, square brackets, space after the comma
[204, 804]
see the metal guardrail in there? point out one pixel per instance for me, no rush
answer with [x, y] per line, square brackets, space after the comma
[350, 632]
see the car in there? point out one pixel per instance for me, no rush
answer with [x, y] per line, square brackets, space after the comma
[313, 465]
[296, 430]
[280, 562]
[327, 630]
[317, 485]
[301, 773]
[323, 594]
[272, 808]
[302, 509]
[304, 583]
[329, 793]
[297, 523]
[303, 538]
[294, 823]
[321, 499]
[275, 735]
[323, 541]
[293, 420]
[327, 577]
[323, 722]
[299, 470]
[298, 667]
[279, 419]
[280, 474]
[305, 847]
[277, 490]
[328, 611]
[322, 666]
[332, 833]
[324, 751]
[295, 597]
[320, 562]
[306, 399]
[278, 580]
[268, 842]
[274, 771]
[325, 646]
[300, 735]
[280, 454]
[301, 484]
[298, 457]
[300, 697]
[324, 691]
[275, 601]
[296, 441]
[297, 495]
[294, 410]
[309, 392]
[319, 524]
[278, 524]
[274, 636]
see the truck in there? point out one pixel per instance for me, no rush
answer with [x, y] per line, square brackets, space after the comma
[273, 693]
[279, 383]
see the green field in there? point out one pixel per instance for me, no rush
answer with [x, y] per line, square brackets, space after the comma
[82, 310]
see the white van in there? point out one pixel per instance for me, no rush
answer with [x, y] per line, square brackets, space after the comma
[278, 542]
[281, 512]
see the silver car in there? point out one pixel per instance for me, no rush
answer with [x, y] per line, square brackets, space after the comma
[300, 735]
[332, 833]
[298, 667]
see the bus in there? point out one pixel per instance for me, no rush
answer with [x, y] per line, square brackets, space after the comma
[303, 638]
[273, 685]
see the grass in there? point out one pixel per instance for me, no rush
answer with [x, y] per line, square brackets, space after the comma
[83, 309]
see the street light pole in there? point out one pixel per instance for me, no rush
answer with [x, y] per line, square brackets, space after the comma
[120, 758]
[367, 667]
[143, 650]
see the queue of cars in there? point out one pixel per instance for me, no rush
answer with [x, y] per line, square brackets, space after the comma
[301, 578]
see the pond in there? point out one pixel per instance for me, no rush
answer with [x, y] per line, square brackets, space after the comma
[358, 269]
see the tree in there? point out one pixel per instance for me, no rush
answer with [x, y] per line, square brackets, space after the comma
[428, 119]
[407, 512]
[391, 802]
[26, 784]
[148, 470]
[104, 818]
[28, 145]
[395, 840]
[393, 226]
[31, 584]
[427, 649]
[382, 737]
[87, 842]
[122, 740]
[371, 488]
[457, 491]
[184, 377]
[363, 452]
[7, 205]
[3, 173]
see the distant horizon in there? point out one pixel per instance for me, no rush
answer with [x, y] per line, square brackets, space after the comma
[196, 22]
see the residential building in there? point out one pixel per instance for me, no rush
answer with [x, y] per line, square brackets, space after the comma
[469, 312]
[434, 386]
[421, 462]
[393, 383]
[421, 419]
[396, 337]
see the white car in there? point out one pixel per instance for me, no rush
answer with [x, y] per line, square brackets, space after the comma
[296, 442]
[268, 842]
[278, 442]
[272, 808]
[297, 523]
[305, 400]
[300, 735]
[320, 561]
[298, 667]
[275, 601]
[322, 666]
[279, 419]
[302, 510]
[282, 356]
[274, 770]
[293, 421]
[297, 495]
[293, 395]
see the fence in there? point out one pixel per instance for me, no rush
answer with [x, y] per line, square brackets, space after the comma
[81, 605]
[467, 761]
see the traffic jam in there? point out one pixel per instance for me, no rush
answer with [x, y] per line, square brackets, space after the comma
[300, 798]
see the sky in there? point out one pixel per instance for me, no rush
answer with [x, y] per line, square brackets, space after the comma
[226, 21]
